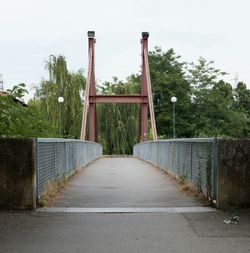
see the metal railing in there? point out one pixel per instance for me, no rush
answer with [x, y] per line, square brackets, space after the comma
[189, 159]
[59, 158]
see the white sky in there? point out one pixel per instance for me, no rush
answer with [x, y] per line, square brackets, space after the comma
[31, 30]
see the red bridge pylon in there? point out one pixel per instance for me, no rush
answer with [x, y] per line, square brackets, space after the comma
[145, 98]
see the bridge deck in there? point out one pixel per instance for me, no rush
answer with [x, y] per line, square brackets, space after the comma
[123, 182]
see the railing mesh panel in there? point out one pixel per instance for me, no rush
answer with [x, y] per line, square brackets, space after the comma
[190, 159]
[58, 158]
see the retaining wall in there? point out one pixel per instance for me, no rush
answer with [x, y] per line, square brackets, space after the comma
[233, 162]
[28, 165]
[17, 174]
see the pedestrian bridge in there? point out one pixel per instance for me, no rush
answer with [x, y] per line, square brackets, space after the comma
[217, 168]
[126, 182]
[123, 185]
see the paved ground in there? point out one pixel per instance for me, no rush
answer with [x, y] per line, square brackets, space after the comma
[123, 233]
[123, 183]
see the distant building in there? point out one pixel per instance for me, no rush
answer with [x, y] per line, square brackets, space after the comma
[5, 93]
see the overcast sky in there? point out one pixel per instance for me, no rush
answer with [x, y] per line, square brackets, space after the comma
[31, 30]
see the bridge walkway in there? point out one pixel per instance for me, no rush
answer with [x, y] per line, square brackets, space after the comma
[123, 182]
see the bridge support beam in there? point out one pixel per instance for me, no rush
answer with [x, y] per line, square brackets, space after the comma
[145, 98]
[144, 91]
[92, 92]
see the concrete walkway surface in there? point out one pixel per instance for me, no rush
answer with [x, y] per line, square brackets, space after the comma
[123, 233]
[123, 184]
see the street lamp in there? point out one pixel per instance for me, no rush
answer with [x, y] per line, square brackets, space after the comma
[60, 101]
[173, 100]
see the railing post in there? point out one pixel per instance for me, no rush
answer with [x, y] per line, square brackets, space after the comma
[214, 169]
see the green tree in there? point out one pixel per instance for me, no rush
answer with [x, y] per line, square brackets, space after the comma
[168, 79]
[242, 95]
[213, 101]
[217, 114]
[66, 117]
[18, 91]
[203, 74]
[118, 123]
[242, 104]
[17, 120]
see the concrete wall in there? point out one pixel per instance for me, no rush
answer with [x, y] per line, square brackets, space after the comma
[233, 177]
[17, 174]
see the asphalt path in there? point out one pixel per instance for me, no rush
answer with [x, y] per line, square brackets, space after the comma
[123, 182]
[119, 205]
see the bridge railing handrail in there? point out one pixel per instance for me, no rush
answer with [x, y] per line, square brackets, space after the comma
[194, 159]
[64, 140]
[180, 140]
[58, 158]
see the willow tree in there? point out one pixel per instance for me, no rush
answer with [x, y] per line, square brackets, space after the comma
[118, 123]
[66, 116]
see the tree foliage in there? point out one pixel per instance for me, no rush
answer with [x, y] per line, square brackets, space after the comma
[66, 116]
[17, 120]
[168, 79]
[118, 123]
[206, 106]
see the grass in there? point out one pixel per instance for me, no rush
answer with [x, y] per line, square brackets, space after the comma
[52, 190]
[187, 187]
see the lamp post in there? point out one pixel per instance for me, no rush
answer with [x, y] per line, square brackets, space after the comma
[60, 101]
[173, 100]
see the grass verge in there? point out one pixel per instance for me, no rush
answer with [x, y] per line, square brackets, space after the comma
[52, 190]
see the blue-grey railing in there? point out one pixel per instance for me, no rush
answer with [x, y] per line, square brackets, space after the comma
[190, 159]
[59, 158]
